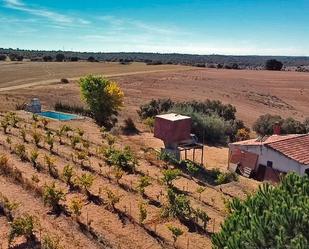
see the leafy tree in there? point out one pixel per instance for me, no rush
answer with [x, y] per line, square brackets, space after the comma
[273, 64]
[242, 134]
[169, 175]
[22, 226]
[103, 97]
[60, 57]
[52, 196]
[176, 232]
[273, 217]
[74, 58]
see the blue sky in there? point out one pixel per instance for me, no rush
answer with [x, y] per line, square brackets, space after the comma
[242, 27]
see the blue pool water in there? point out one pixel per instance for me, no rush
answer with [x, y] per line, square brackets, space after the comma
[58, 115]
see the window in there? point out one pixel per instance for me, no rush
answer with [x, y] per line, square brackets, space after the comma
[269, 164]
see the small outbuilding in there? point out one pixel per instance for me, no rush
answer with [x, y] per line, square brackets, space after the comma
[267, 157]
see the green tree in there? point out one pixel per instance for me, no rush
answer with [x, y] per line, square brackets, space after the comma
[264, 125]
[103, 96]
[273, 217]
[273, 65]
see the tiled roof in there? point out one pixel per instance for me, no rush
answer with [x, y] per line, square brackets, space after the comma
[296, 148]
[267, 139]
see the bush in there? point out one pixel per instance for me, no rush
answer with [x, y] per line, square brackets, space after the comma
[60, 57]
[64, 81]
[47, 58]
[264, 125]
[273, 64]
[223, 178]
[129, 126]
[103, 97]
[2, 57]
[59, 106]
[273, 217]
[292, 126]
[74, 58]
[91, 59]
[22, 226]
[52, 196]
[15, 57]
[155, 107]
[306, 124]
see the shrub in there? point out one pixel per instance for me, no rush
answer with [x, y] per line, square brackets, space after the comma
[62, 107]
[22, 226]
[112, 199]
[76, 206]
[143, 182]
[223, 178]
[150, 123]
[306, 124]
[103, 97]
[273, 217]
[142, 212]
[20, 151]
[242, 134]
[47, 58]
[85, 181]
[203, 216]
[91, 59]
[60, 57]
[155, 107]
[169, 175]
[176, 232]
[292, 126]
[123, 159]
[273, 64]
[67, 174]
[15, 57]
[74, 58]
[3, 160]
[64, 81]
[36, 137]
[178, 206]
[129, 126]
[51, 242]
[2, 57]
[52, 196]
[264, 125]
[34, 154]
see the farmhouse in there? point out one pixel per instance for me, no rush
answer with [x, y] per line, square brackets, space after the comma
[267, 157]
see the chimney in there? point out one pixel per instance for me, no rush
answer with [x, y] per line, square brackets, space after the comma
[277, 128]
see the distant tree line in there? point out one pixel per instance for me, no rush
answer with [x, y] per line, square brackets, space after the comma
[211, 61]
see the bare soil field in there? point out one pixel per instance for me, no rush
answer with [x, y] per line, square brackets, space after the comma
[252, 92]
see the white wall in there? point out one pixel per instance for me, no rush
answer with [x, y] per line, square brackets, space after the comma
[280, 161]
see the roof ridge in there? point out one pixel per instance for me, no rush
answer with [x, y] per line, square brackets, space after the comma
[290, 136]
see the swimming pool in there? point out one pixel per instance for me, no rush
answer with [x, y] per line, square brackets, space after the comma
[58, 115]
